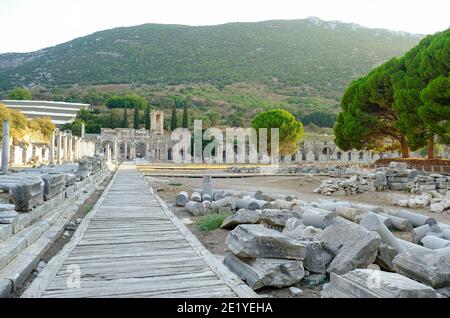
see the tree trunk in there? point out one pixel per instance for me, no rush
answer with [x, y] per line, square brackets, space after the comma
[404, 147]
[431, 148]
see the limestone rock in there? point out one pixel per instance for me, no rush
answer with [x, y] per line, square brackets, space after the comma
[317, 258]
[353, 245]
[426, 266]
[254, 240]
[366, 283]
[241, 217]
[262, 272]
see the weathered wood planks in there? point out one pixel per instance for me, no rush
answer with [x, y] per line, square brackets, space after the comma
[131, 245]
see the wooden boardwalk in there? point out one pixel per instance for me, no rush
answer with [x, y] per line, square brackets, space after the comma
[131, 245]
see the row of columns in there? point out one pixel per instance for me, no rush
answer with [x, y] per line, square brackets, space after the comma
[64, 147]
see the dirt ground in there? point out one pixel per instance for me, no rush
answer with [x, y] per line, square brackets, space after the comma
[300, 186]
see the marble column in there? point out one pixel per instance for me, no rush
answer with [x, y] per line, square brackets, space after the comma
[52, 148]
[59, 148]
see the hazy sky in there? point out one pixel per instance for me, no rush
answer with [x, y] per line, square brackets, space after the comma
[28, 25]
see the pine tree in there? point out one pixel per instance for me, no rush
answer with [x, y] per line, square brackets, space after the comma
[174, 120]
[136, 118]
[185, 123]
[147, 118]
[125, 119]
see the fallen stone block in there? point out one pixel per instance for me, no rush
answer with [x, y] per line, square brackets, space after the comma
[275, 217]
[25, 192]
[353, 245]
[240, 217]
[366, 283]
[53, 184]
[315, 279]
[182, 198]
[317, 258]
[424, 265]
[8, 213]
[299, 231]
[263, 272]
[254, 240]
[6, 287]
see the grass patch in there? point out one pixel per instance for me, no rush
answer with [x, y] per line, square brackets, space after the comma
[175, 184]
[212, 221]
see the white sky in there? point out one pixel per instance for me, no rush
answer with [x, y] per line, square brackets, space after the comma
[28, 25]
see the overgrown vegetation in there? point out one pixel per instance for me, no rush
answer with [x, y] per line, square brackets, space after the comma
[212, 222]
[19, 125]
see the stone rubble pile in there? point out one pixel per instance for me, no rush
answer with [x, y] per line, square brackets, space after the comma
[36, 204]
[352, 244]
[243, 170]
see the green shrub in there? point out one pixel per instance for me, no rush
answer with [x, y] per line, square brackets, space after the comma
[212, 221]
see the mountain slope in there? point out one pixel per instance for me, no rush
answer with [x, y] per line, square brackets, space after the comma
[311, 56]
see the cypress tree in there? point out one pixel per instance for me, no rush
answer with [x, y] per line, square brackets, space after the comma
[147, 118]
[125, 119]
[174, 120]
[185, 123]
[136, 118]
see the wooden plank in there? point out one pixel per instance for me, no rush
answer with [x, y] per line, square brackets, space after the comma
[131, 245]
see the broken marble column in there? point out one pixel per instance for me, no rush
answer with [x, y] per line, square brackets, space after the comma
[262, 204]
[218, 195]
[182, 198]
[352, 214]
[446, 234]
[367, 207]
[415, 218]
[195, 208]
[207, 189]
[8, 213]
[254, 240]
[419, 232]
[227, 202]
[434, 243]
[247, 204]
[196, 196]
[367, 283]
[424, 265]
[283, 204]
[5, 147]
[353, 245]
[317, 218]
[265, 272]
[399, 223]
[371, 222]
[444, 251]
